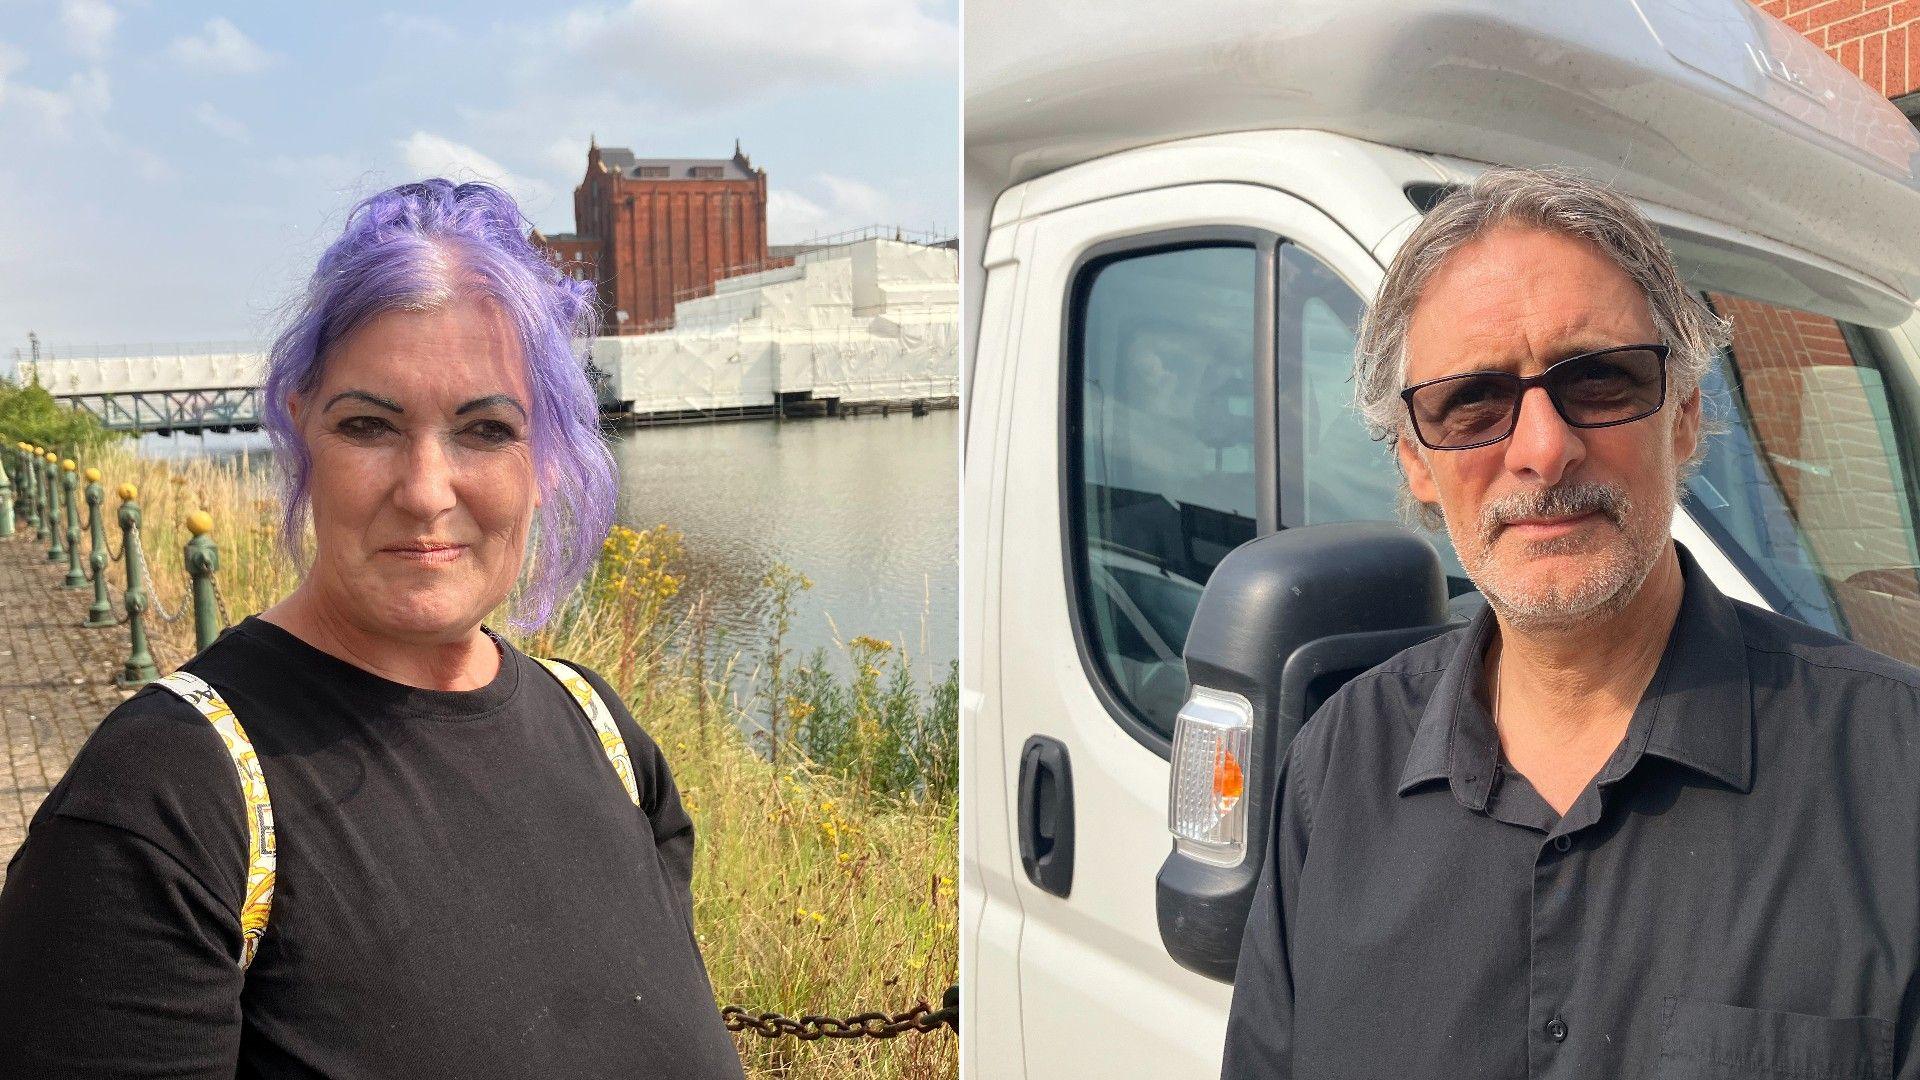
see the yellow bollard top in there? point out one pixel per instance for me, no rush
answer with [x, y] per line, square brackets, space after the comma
[93, 475]
[128, 493]
[51, 456]
[21, 444]
[199, 523]
[68, 465]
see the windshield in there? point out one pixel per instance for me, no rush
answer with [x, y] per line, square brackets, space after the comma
[1811, 486]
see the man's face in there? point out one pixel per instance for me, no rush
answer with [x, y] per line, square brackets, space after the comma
[1554, 523]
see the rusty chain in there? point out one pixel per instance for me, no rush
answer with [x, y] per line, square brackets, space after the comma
[870, 1025]
[220, 600]
[153, 597]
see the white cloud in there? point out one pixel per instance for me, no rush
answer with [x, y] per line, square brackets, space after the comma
[792, 217]
[426, 154]
[566, 154]
[221, 48]
[333, 172]
[836, 204]
[408, 25]
[697, 49]
[89, 26]
[87, 95]
[148, 165]
[11, 60]
[220, 123]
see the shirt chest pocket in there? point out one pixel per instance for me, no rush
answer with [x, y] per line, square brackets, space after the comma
[1702, 1040]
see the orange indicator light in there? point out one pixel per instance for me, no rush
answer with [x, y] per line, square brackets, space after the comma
[1228, 781]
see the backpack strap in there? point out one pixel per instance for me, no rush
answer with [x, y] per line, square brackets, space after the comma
[589, 701]
[261, 861]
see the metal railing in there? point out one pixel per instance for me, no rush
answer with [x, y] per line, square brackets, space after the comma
[831, 242]
[41, 490]
[170, 350]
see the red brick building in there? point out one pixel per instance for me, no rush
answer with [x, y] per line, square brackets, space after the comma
[647, 229]
[1878, 40]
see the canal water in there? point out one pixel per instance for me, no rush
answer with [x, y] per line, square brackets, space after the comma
[865, 506]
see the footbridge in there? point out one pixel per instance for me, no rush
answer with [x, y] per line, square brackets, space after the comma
[162, 389]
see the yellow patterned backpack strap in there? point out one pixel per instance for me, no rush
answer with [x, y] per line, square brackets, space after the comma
[602, 721]
[253, 791]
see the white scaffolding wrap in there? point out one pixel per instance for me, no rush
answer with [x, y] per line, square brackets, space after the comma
[873, 321]
[146, 374]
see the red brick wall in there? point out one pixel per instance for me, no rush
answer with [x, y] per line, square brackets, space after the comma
[1818, 433]
[644, 242]
[1878, 40]
[672, 236]
[578, 258]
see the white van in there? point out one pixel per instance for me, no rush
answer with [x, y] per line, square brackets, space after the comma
[1175, 214]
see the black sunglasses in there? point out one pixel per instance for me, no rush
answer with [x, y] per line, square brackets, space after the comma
[1591, 390]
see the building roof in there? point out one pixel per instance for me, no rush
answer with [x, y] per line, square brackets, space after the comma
[621, 160]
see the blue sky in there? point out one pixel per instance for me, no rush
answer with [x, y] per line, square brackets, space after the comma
[169, 172]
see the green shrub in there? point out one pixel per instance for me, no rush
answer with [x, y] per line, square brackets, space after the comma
[30, 414]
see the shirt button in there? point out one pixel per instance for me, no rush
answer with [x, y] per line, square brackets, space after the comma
[1563, 843]
[1557, 1029]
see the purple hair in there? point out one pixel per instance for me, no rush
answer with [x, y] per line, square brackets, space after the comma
[418, 247]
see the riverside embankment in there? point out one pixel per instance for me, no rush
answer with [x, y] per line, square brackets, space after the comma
[827, 827]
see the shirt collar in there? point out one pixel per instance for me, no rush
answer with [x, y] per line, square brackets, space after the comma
[1697, 711]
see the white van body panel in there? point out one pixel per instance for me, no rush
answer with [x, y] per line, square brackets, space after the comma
[1356, 183]
[1708, 106]
[1097, 953]
[989, 908]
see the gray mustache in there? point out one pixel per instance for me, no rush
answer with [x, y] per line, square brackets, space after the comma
[1561, 500]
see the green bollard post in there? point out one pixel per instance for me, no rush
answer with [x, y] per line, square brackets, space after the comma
[58, 552]
[202, 560]
[19, 452]
[139, 670]
[69, 479]
[14, 454]
[44, 477]
[101, 613]
[34, 517]
[6, 501]
[22, 490]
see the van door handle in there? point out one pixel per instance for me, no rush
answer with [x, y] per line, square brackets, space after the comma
[1046, 814]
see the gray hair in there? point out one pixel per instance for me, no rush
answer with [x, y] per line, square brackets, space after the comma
[1553, 200]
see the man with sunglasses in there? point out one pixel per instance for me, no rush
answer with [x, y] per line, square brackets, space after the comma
[1619, 825]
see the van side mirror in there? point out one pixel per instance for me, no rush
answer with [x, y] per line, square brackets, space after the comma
[1285, 620]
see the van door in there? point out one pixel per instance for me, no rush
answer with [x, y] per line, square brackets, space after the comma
[1161, 399]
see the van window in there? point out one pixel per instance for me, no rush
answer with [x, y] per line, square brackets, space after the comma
[1336, 471]
[1812, 488]
[1165, 344]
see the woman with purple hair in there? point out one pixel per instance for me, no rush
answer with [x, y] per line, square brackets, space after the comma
[361, 835]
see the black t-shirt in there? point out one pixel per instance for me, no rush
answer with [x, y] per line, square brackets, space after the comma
[464, 889]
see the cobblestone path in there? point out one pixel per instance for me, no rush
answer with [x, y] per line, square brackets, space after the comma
[56, 679]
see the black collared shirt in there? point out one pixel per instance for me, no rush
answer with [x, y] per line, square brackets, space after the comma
[1736, 894]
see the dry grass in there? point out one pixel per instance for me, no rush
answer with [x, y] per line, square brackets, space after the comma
[812, 895]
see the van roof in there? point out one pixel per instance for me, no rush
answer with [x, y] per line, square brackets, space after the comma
[1706, 106]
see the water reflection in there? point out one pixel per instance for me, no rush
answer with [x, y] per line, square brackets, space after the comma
[865, 506]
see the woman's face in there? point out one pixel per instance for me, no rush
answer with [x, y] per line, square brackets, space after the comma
[422, 484]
